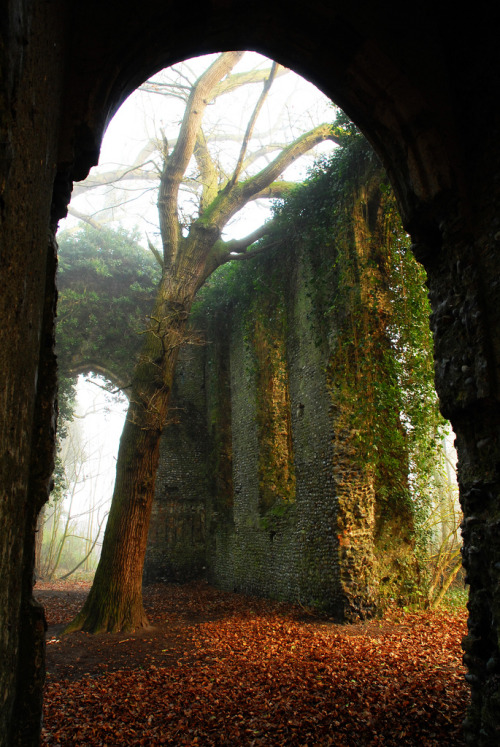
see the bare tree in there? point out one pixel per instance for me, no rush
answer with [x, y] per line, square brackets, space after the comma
[444, 559]
[70, 526]
[192, 248]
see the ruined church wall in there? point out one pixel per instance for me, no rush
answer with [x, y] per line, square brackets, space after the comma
[254, 552]
[250, 477]
[271, 482]
[313, 543]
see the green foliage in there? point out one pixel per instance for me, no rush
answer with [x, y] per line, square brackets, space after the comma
[456, 598]
[233, 287]
[306, 214]
[368, 294]
[375, 325]
[107, 284]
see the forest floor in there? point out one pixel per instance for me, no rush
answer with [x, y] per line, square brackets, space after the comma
[217, 668]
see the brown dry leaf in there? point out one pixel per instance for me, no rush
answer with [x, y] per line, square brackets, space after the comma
[225, 669]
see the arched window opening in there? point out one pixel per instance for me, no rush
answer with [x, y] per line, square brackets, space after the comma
[306, 531]
[72, 524]
[148, 253]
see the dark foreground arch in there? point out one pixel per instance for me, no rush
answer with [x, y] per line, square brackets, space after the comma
[422, 84]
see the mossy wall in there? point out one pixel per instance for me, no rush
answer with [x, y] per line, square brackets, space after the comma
[268, 482]
[253, 473]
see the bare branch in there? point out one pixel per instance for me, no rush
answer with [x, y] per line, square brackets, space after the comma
[289, 154]
[274, 191]
[237, 80]
[85, 218]
[178, 161]
[143, 158]
[239, 245]
[232, 199]
[239, 249]
[261, 152]
[154, 251]
[253, 253]
[251, 124]
[230, 83]
[66, 575]
[110, 178]
[174, 90]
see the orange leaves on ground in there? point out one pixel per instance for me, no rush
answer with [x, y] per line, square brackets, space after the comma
[261, 674]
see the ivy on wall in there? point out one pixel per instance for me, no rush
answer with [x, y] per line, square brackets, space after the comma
[371, 318]
[376, 327]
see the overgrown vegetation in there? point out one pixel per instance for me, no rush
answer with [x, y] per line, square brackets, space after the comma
[107, 283]
[369, 300]
[372, 312]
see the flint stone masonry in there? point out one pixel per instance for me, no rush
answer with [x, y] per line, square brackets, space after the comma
[304, 550]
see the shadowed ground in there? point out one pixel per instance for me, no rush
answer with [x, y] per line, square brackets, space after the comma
[217, 668]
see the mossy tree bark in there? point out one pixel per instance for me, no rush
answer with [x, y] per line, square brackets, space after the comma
[115, 600]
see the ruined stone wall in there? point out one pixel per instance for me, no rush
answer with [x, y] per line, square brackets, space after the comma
[315, 542]
[257, 552]
[264, 531]
[261, 488]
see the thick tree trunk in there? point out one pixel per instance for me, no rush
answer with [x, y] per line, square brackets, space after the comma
[115, 599]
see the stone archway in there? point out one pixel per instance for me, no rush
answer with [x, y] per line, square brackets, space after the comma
[413, 82]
